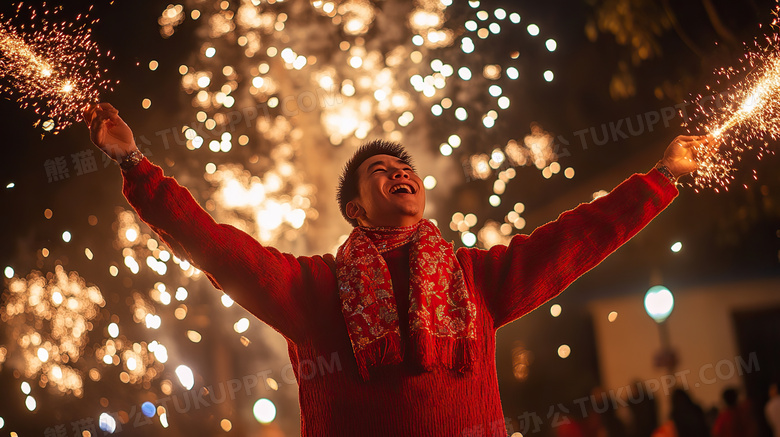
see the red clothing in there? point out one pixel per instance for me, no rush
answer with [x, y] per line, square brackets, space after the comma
[735, 422]
[728, 424]
[298, 297]
[569, 429]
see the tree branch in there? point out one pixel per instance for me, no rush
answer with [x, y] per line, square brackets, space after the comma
[717, 23]
[680, 32]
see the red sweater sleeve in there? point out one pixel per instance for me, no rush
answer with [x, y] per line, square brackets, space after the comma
[263, 280]
[532, 269]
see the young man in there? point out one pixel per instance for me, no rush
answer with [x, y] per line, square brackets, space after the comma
[411, 322]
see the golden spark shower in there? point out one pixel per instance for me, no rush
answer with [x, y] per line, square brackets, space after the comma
[745, 117]
[50, 66]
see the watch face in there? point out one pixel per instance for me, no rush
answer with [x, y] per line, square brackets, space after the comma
[131, 160]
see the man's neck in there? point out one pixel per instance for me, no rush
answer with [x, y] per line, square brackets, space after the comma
[411, 221]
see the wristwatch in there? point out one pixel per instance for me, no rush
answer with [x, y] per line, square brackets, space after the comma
[666, 172]
[131, 159]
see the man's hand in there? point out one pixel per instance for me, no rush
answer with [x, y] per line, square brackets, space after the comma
[680, 156]
[108, 131]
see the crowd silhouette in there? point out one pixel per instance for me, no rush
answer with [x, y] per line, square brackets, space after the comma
[638, 416]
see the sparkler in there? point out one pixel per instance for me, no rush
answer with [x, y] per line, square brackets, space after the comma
[748, 111]
[51, 66]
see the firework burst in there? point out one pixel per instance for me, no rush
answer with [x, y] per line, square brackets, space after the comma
[51, 66]
[50, 316]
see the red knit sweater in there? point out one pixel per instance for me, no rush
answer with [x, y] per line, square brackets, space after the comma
[298, 297]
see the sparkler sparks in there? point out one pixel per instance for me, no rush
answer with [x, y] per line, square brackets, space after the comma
[51, 66]
[748, 113]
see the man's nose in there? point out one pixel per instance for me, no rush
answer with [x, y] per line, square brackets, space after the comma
[400, 173]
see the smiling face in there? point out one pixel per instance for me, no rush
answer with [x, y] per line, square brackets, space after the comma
[390, 193]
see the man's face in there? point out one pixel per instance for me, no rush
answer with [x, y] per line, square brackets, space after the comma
[391, 194]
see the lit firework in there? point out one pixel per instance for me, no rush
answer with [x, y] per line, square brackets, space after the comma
[758, 102]
[747, 112]
[51, 67]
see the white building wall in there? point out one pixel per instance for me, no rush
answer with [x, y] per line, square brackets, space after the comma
[701, 330]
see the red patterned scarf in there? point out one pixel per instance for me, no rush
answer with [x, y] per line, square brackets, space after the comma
[442, 314]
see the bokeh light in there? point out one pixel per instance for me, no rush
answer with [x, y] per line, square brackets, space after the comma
[659, 303]
[264, 411]
[185, 376]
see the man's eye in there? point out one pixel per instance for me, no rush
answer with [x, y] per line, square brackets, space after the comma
[379, 169]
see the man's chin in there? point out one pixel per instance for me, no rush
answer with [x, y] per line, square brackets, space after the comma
[410, 210]
[405, 217]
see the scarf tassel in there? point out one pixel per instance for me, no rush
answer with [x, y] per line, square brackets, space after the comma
[434, 352]
[383, 351]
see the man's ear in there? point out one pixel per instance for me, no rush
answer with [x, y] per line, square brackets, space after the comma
[355, 210]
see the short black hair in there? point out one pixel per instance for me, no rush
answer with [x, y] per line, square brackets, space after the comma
[348, 182]
[730, 396]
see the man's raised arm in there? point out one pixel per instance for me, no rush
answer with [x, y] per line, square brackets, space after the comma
[532, 269]
[262, 280]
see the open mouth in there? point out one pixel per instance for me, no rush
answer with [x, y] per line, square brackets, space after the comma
[402, 189]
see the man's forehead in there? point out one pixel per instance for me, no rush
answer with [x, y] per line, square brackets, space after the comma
[385, 159]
